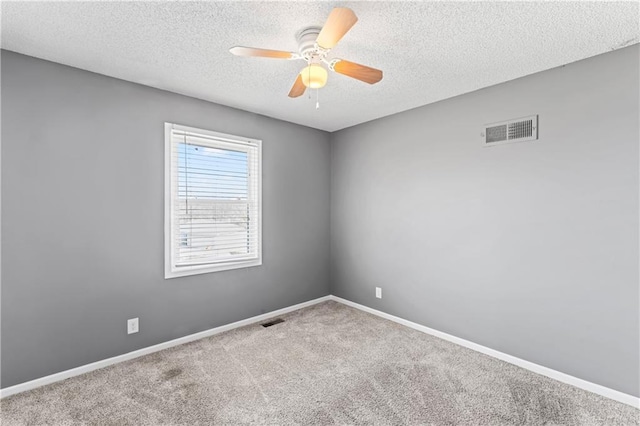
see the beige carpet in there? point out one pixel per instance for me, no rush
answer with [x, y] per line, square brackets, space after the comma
[327, 364]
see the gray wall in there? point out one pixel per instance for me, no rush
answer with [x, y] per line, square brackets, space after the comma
[530, 248]
[82, 219]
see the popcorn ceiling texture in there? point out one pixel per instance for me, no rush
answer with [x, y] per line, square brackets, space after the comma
[327, 364]
[428, 51]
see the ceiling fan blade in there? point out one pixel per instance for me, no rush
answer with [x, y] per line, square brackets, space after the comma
[340, 20]
[357, 71]
[264, 53]
[298, 88]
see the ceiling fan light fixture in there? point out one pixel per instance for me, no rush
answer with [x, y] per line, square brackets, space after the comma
[314, 76]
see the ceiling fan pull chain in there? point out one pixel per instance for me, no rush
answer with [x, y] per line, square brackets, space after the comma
[317, 98]
[309, 66]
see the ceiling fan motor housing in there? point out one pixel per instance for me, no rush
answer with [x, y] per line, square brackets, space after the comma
[307, 43]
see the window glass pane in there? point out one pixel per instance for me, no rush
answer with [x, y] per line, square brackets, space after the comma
[213, 204]
[211, 173]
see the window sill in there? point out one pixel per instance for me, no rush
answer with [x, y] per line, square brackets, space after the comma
[172, 272]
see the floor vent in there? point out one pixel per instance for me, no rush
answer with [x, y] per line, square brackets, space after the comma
[273, 322]
[516, 130]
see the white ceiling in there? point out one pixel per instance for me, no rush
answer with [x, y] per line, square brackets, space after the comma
[428, 50]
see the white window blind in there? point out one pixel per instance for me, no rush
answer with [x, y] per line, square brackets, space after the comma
[213, 205]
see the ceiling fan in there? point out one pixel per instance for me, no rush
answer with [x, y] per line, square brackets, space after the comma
[314, 45]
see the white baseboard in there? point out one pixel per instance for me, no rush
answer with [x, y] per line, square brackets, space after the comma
[22, 387]
[556, 375]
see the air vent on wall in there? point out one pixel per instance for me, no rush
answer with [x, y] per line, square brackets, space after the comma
[515, 130]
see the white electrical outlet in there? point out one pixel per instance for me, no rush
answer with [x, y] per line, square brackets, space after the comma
[378, 292]
[132, 326]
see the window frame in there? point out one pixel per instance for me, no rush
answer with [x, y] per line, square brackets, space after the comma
[171, 185]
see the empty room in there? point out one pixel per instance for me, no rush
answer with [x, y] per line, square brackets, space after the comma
[320, 213]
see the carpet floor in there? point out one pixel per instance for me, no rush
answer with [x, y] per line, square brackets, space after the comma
[326, 364]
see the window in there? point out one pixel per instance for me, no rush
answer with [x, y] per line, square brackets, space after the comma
[213, 214]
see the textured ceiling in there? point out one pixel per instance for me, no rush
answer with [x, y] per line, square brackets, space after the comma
[428, 50]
